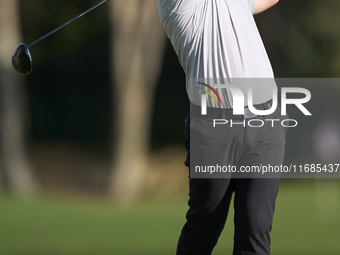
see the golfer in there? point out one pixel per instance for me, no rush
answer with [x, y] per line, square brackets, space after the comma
[219, 40]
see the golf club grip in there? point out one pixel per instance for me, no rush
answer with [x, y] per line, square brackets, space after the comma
[68, 22]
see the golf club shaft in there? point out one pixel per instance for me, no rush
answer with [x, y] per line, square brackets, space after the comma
[68, 22]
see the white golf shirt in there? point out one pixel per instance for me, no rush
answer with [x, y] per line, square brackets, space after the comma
[217, 41]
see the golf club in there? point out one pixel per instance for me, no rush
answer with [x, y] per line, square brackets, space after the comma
[22, 59]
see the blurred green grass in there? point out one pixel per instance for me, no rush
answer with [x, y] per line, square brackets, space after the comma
[51, 225]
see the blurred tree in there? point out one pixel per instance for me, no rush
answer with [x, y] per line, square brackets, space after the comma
[16, 172]
[138, 45]
[302, 38]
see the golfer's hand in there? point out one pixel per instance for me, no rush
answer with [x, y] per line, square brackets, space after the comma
[262, 5]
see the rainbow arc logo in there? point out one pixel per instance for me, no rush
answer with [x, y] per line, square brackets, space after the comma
[209, 93]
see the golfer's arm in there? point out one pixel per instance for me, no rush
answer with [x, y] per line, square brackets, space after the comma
[262, 5]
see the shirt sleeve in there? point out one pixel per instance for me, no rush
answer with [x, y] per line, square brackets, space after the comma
[251, 4]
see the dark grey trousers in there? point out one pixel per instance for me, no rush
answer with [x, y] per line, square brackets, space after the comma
[254, 201]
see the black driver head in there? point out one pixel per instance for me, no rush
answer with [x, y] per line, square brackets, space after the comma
[22, 59]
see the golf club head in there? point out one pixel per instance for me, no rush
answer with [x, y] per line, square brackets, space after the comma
[22, 60]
